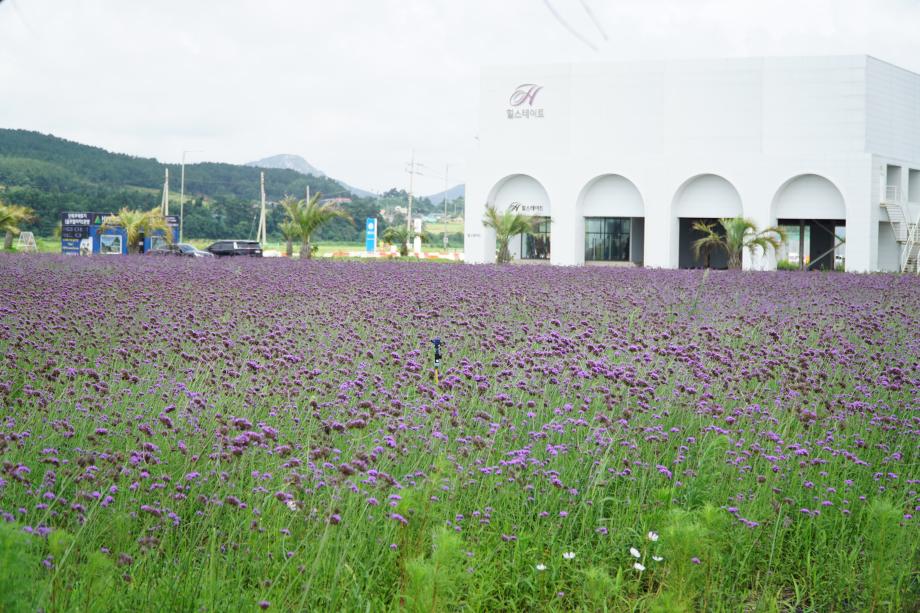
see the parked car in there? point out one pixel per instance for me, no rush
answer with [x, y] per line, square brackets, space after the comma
[181, 249]
[228, 248]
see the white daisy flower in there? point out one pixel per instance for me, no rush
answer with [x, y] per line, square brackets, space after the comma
[634, 552]
[569, 555]
[657, 558]
[541, 567]
[638, 566]
[653, 536]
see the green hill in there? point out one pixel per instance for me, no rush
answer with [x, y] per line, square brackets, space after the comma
[52, 175]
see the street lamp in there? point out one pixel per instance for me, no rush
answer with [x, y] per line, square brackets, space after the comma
[182, 191]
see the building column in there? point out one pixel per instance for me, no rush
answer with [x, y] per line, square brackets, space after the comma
[661, 233]
[863, 204]
[563, 236]
[477, 238]
[759, 210]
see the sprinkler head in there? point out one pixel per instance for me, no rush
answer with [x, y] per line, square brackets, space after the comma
[437, 342]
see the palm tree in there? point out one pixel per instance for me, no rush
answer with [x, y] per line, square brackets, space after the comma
[289, 230]
[739, 234]
[11, 215]
[401, 236]
[506, 225]
[308, 216]
[137, 224]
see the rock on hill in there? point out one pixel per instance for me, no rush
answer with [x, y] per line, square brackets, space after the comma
[297, 163]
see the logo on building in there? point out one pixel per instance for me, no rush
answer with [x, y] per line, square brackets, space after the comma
[524, 95]
[520, 207]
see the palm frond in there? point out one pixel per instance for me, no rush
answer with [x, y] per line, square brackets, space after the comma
[11, 215]
[506, 225]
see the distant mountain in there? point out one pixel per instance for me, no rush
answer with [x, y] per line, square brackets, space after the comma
[452, 194]
[297, 163]
[289, 161]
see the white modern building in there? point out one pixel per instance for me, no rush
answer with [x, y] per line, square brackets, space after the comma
[620, 159]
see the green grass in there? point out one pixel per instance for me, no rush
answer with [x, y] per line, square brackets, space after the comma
[437, 228]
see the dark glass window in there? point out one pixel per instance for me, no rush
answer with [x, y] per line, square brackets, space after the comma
[535, 246]
[607, 239]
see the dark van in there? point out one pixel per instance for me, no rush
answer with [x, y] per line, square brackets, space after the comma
[227, 248]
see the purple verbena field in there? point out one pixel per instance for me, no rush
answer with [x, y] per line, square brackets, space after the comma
[185, 435]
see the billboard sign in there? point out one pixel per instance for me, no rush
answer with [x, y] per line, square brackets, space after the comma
[79, 234]
[75, 234]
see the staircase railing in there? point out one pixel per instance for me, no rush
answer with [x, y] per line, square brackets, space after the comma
[904, 226]
[892, 193]
[909, 253]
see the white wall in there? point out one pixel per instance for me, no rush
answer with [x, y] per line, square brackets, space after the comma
[756, 123]
[611, 196]
[892, 111]
[707, 195]
[889, 252]
[913, 185]
[809, 197]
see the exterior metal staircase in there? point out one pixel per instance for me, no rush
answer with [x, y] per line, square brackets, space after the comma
[905, 228]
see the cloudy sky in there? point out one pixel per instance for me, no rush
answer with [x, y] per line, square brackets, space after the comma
[355, 85]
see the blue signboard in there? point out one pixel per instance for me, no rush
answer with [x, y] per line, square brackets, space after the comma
[370, 234]
[80, 235]
[114, 241]
[158, 239]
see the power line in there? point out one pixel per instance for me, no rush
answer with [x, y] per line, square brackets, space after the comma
[597, 24]
[566, 25]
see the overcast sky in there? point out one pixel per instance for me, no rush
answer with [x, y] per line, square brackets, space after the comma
[354, 85]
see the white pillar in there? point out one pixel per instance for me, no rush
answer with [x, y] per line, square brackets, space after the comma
[660, 231]
[478, 241]
[564, 229]
[863, 204]
[757, 205]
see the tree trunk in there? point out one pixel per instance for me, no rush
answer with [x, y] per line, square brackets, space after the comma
[504, 256]
[735, 260]
[290, 248]
[304, 248]
[8, 240]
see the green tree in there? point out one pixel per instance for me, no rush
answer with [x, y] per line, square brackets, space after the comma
[506, 225]
[401, 236]
[289, 230]
[137, 224]
[11, 215]
[740, 234]
[308, 216]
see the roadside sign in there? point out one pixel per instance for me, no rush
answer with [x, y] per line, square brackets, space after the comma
[370, 234]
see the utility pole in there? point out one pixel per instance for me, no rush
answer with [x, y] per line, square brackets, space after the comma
[308, 195]
[411, 171]
[446, 171]
[164, 204]
[182, 198]
[261, 233]
[182, 191]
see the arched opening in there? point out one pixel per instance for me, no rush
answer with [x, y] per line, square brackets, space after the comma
[813, 213]
[613, 220]
[524, 194]
[704, 198]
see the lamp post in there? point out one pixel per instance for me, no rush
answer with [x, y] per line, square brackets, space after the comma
[182, 191]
